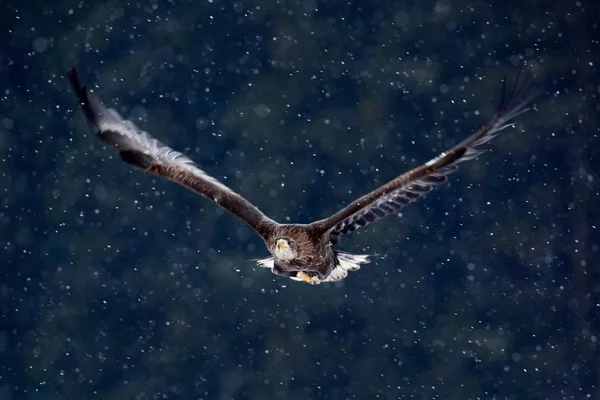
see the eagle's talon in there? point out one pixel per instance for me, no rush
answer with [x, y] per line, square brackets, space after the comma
[304, 276]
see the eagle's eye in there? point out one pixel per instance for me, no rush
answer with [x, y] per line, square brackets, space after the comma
[283, 249]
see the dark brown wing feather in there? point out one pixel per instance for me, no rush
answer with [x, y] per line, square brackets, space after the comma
[414, 184]
[139, 149]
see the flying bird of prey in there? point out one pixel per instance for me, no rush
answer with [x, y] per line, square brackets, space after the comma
[302, 252]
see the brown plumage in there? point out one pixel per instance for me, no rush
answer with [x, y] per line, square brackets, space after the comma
[301, 252]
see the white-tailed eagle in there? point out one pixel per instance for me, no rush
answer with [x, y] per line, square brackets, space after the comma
[303, 252]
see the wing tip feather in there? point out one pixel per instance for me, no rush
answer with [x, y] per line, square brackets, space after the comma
[79, 89]
[83, 97]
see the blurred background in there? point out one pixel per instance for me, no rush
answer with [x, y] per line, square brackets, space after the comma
[117, 285]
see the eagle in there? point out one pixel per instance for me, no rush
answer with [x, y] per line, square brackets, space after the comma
[302, 252]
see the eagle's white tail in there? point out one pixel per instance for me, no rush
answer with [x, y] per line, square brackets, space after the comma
[346, 262]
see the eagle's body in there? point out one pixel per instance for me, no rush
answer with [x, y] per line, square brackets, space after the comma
[312, 254]
[299, 251]
[315, 254]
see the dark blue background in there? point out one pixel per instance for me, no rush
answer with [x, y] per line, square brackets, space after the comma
[119, 285]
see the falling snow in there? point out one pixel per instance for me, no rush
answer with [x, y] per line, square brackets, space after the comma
[117, 284]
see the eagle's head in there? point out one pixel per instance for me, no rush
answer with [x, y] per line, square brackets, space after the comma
[285, 249]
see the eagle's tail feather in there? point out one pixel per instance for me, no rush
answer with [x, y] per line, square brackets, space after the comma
[345, 262]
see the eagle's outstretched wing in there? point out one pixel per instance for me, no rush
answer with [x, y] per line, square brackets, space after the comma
[139, 149]
[414, 184]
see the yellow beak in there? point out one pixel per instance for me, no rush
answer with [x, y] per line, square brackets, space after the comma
[281, 244]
